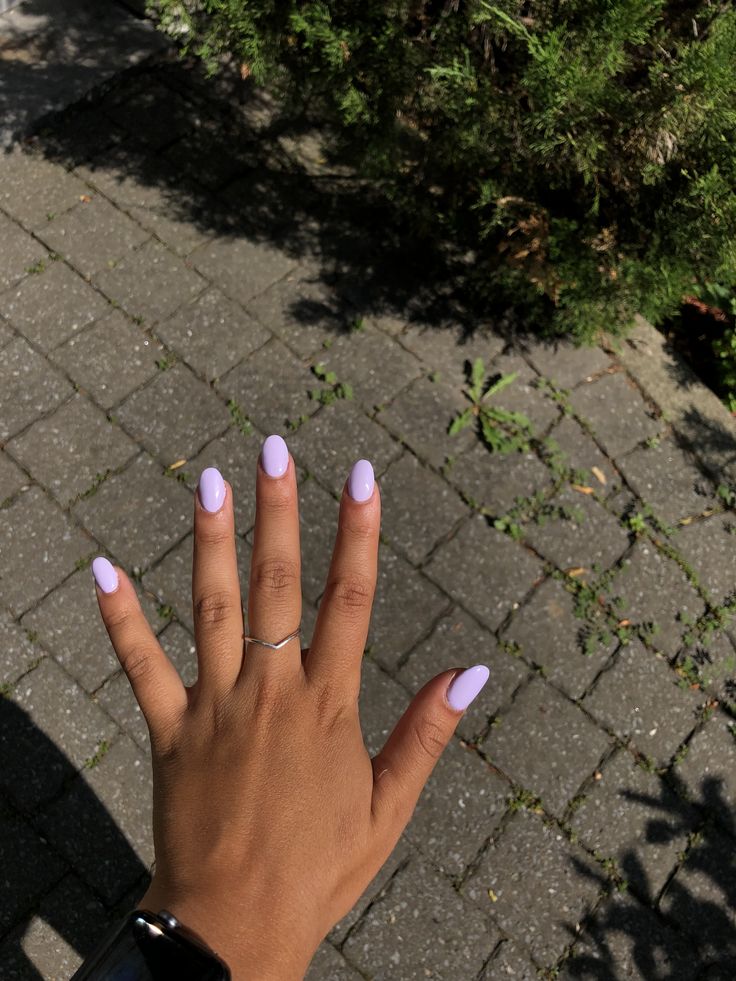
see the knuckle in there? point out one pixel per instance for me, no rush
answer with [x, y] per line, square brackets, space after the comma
[211, 608]
[138, 664]
[214, 534]
[121, 616]
[275, 575]
[351, 595]
[430, 736]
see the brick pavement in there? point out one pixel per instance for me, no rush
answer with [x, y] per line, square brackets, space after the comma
[165, 298]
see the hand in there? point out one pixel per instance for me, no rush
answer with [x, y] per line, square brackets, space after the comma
[270, 817]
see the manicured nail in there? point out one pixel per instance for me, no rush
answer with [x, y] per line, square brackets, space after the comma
[211, 489]
[105, 575]
[275, 456]
[466, 685]
[360, 481]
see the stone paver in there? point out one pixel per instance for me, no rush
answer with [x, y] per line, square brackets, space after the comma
[372, 363]
[33, 188]
[616, 412]
[669, 481]
[566, 366]
[18, 652]
[31, 387]
[240, 267]
[21, 252]
[30, 867]
[707, 547]
[328, 965]
[498, 482]
[581, 454]
[12, 478]
[398, 857]
[709, 767]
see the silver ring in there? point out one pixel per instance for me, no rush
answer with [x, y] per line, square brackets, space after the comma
[268, 644]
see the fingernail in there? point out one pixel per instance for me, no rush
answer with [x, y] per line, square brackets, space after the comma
[211, 489]
[275, 456]
[105, 575]
[361, 480]
[466, 685]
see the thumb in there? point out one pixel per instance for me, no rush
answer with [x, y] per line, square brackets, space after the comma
[417, 741]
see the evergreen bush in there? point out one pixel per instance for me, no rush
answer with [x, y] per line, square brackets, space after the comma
[582, 152]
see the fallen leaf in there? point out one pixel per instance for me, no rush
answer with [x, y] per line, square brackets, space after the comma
[577, 571]
[685, 521]
[597, 775]
[599, 475]
[624, 623]
[175, 466]
[85, 198]
[583, 490]
[492, 896]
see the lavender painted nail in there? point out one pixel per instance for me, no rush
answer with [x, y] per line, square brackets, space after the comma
[466, 685]
[361, 481]
[211, 489]
[105, 575]
[275, 456]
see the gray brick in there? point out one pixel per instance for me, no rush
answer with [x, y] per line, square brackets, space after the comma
[17, 651]
[375, 366]
[20, 253]
[50, 306]
[419, 417]
[581, 454]
[102, 824]
[485, 571]
[458, 641]
[524, 395]
[399, 935]
[495, 481]
[175, 415]
[542, 886]
[335, 438]
[446, 349]
[138, 514]
[236, 456]
[708, 547]
[560, 749]
[150, 282]
[578, 532]
[38, 538]
[382, 703]
[328, 965]
[210, 156]
[420, 507]
[111, 359]
[633, 817]
[240, 267]
[212, 334]
[318, 514]
[565, 364]
[709, 767]
[655, 590]
[552, 638]
[639, 698]
[405, 605]
[616, 412]
[33, 188]
[71, 449]
[510, 962]
[12, 478]
[152, 113]
[93, 235]
[48, 730]
[29, 867]
[668, 480]
[281, 392]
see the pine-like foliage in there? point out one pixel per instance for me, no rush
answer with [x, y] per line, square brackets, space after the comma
[583, 151]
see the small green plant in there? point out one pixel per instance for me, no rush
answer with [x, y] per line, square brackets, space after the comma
[502, 431]
[637, 523]
[165, 611]
[166, 362]
[97, 758]
[36, 268]
[727, 494]
[241, 420]
[357, 325]
[294, 424]
[83, 563]
[332, 389]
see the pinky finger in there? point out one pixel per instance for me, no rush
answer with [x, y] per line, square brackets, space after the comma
[154, 679]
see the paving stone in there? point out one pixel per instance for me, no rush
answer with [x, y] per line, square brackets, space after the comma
[111, 359]
[405, 604]
[212, 334]
[375, 366]
[282, 390]
[496, 481]
[551, 637]
[33, 188]
[240, 267]
[655, 590]
[305, 312]
[560, 749]
[236, 456]
[382, 703]
[18, 652]
[485, 571]
[715, 662]
[103, 823]
[12, 478]
[38, 538]
[669, 481]
[30, 387]
[152, 113]
[210, 154]
[708, 547]
[510, 962]
[329, 444]
[524, 394]
[318, 514]
[633, 817]
[626, 940]
[6, 333]
[543, 886]
[150, 282]
[582, 454]
[328, 965]
[399, 935]
[578, 532]
[420, 507]
[639, 698]
[29, 867]
[175, 415]
[700, 897]
[565, 364]
[709, 767]
[49, 728]
[458, 641]
[21, 252]
[93, 235]
[420, 415]
[137, 514]
[461, 805]
[616, 412]
[446, 349]
[70, 450]
[50, 306]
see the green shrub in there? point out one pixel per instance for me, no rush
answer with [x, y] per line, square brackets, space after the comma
[582, 152]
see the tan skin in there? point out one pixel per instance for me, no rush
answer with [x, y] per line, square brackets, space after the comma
[270, 816]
